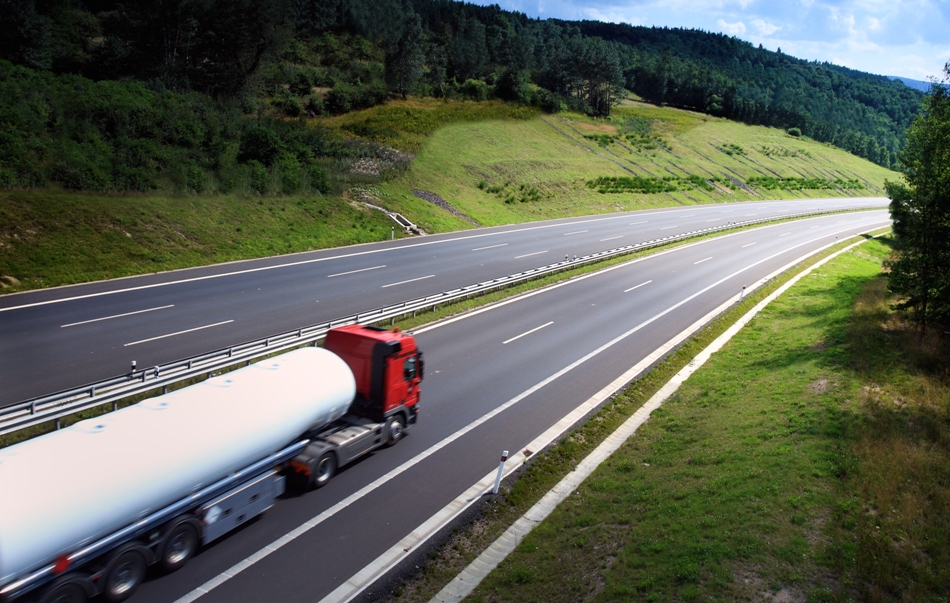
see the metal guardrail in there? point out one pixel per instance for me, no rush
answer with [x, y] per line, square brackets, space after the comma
[54, 407]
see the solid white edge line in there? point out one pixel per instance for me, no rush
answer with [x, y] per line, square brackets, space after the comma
[547, 324]
[518, 257]
[412, 280]
[223, 322]
[701, 261]
[637, 286]
[490, 247]
[83, 322]
[355, 271]
[392, 474]
[470, 577]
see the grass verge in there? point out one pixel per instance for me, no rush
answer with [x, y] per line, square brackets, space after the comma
[547, 470]
[56, 238]
[807, 461]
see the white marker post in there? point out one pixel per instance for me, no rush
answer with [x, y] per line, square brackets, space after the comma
[501, 469]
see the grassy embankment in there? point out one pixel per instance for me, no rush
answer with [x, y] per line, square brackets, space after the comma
[493, 162]
[808, 461]
[500, 172]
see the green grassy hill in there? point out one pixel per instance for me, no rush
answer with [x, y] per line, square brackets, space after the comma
[493, 163]
[547, 166]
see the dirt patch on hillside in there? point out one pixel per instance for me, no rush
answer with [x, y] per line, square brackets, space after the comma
[433, 198]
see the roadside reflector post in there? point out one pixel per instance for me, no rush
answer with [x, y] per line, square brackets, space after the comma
[501, 469]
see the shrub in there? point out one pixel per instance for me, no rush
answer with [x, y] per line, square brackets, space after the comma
[476, 90]
[259, 176]
[796, 132]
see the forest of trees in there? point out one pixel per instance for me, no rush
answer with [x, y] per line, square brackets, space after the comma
[202, 74]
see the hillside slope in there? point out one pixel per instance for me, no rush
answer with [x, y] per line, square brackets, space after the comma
[492, 163]
[549, 166]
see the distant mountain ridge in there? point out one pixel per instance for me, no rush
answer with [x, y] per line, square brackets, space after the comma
[915, 84]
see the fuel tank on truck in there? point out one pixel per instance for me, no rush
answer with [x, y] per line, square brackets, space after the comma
[71, 487]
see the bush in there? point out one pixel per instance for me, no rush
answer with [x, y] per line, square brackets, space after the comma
[286, 102]
[476, 90]
[289, 169]
[796, 132]
[260, 143]
[318, 179]
[259, 176]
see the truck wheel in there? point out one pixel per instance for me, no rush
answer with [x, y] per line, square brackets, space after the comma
[123, 575]
[70, 590]
[179, 545]
[395, 429]
[325, 470]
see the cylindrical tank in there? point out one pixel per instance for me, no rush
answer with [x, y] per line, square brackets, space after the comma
[71, 487]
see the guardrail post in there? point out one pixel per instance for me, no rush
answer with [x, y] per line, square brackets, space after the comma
[115, 405]
[57, 423]
[32, 408]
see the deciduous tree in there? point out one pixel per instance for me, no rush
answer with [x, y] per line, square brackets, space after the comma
[920, 207]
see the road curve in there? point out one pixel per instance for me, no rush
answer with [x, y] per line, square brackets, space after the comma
[59, 338]
[587, 331]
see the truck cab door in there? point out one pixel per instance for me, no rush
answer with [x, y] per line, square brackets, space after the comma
[404, 376]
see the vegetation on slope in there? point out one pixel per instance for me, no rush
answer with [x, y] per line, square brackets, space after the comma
[232, 62]
[550, 166]
[492, 162]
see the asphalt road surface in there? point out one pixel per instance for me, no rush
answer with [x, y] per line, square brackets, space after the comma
[584, 333]
[55, 339]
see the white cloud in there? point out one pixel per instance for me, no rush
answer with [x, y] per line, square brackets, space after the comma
[733, 29]
[764, 27]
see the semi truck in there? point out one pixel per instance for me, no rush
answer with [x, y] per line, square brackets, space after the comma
[85, 510]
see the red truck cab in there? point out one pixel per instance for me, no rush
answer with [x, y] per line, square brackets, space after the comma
[387, 366]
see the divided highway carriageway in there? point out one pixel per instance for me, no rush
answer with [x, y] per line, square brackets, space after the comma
[55, 339]
[496, 379]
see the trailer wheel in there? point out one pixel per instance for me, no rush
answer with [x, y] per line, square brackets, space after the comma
[325, 470]
[395, 429]
[179, 545]
[67, 590]
[123, 574]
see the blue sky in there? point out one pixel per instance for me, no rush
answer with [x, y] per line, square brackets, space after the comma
[888, 37]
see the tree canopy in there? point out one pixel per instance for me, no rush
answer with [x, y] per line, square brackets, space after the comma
[920, 207]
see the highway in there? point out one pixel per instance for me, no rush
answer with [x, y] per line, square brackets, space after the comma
[64, 337]
[495, 380]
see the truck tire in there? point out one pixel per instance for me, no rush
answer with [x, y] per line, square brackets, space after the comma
[395, 429]
[324, 471]
[69, 589]
[179, 544]
[124, 573]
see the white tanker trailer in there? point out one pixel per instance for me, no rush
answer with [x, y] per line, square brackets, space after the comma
[85, 510]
